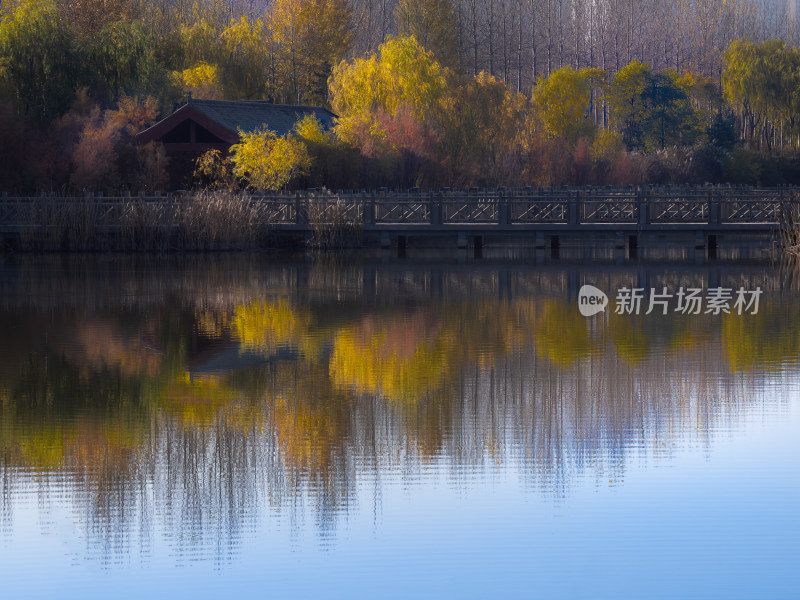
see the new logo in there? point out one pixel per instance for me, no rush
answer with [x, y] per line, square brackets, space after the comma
[591, 300]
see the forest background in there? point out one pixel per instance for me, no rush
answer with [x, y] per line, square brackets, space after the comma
[428, 93]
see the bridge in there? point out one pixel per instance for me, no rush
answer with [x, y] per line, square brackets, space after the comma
[465, 217]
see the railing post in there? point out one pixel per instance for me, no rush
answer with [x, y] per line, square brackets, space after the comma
[502, 208]
[573, 204]
[436, 207]
[713, 209]
[368, 207]
[643, 207]
[300, 213]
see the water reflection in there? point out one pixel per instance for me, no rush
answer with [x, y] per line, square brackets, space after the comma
[191, 398]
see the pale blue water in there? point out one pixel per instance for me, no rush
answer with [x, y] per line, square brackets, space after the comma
[241, 427]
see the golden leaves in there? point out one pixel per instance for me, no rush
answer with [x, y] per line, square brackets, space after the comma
[268, 162]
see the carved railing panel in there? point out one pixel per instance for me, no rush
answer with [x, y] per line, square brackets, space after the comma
[474, 206]
[403, 208]
[470, 211]
[748, 210]
[611, 208]
[277, 208]
[538, 210]
[676, 211]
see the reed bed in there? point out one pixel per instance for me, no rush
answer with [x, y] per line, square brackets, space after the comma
[790, 226]
[50, 224]
[336, 222]
[220, 220]
[206, 220]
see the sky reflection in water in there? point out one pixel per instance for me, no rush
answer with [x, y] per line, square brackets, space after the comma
[338, 429]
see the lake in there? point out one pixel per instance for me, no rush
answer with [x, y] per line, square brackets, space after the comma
[373, 427]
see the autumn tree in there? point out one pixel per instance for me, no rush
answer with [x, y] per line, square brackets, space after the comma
[400, 78]
[88, 17]
[434, 24]
[12, 150]
[563, 103]
[627, 102]
[656, 110]
[39, 62]
[202, 80]
[121, 61]
[227, 61]
[334, 163]
[482, 129]
[391, 103]
[107, 157]
[306, 39]
[762, 82]
[243, 73]
[267, 162]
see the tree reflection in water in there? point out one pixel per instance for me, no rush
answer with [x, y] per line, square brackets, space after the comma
[198, 396]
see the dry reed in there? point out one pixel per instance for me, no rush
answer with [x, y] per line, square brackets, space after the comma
[335, 222]
[206, 220]
[790, 226]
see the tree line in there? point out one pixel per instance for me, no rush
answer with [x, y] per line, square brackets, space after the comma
[429, 92]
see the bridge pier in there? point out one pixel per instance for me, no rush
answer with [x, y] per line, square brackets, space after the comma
[572, 284]
[465, 241]
[402, 242]
[620, 247]
[711, 246]
[705, 246]
[699, 240]
[633, 246]
[555, 246]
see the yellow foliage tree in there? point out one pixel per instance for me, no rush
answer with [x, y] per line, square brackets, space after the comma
[266, 161]
[402, 77]
[329, 154]
[244, 75]
[563, 101]
[306, 38]
[201, 79]
[231, 58]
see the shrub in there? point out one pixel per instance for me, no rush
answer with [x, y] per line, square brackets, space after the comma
[268, 162]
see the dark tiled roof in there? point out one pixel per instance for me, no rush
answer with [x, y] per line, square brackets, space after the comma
[249, 115]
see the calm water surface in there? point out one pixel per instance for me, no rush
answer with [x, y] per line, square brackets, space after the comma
[244, 426]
